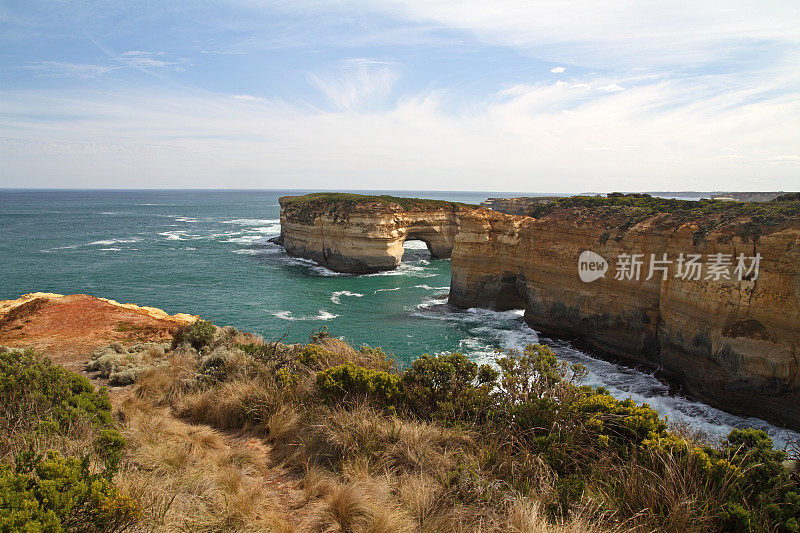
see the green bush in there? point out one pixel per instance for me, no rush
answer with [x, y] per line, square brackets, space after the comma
[537, 390]
[349, 382]
[38, 396]
[312, 354]
[199, 333]
[620, 422]
[55, 493]
[43, 404]
[445, 386]
[765, 482]
[320, 334]
[630, 209]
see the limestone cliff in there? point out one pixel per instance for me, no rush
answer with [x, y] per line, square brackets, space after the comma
[363, 234]
[734, 344]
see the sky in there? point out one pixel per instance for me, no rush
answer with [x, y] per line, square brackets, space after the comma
[506, 95]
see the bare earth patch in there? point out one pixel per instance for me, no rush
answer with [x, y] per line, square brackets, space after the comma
[68, 328]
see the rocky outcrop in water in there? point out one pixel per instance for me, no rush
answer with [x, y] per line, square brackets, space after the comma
[349, 233]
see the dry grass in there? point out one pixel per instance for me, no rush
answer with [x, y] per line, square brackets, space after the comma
[232, 405]
[363, 506]
[166, 384]
[122, 366]
[388, 442]
[661, 491]
[246, 452]
[196, 478]
[339, 352]
[525, 516]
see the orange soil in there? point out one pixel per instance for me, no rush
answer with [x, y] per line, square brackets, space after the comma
[68, 328]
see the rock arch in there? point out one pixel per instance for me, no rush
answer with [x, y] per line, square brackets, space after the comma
[368, 238]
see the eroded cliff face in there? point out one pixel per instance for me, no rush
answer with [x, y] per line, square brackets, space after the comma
[734, 344]
[366, 237]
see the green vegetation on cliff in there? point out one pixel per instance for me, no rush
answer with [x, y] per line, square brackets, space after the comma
[744, 218]
[455, 446]
[319, 202]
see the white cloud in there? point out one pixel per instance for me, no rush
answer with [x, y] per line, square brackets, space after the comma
[249, 98]
[785, 158]
[60, 69]
[149, 60]
[649, 137]
[619, 34]
[141, 53]
[652, 117]
[356, 82]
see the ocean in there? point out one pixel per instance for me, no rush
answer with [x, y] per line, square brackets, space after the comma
[207, 253]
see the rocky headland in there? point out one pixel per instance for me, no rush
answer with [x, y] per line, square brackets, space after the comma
[733, 343]
[516, 206]
[66, 327]
[187, 425]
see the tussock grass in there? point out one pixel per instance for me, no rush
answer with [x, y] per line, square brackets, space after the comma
[194, 477]
[232, 405]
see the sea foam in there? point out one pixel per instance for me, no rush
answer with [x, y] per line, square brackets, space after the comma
[287, 315]
[336, 296]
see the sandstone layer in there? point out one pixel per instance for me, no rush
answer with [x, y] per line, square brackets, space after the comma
[365, 236]
[734, 344]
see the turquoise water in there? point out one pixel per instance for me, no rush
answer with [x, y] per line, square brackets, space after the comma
[207, 253]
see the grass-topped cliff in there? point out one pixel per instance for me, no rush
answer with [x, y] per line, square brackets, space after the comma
[341, 203]
[225, 432]
[625, 210]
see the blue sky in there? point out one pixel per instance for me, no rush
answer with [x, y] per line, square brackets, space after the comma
[504, 95]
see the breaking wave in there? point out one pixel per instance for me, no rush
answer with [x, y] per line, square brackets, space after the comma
[336, 296]
[287, 315]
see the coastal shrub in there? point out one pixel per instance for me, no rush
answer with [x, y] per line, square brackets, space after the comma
[198, 334]
[748, 218]
[447, 386]
[259, 351]
[320, 334]
[349, 382]
[46, 407]
[460, 441]
[765, 483]
[40, 397]
[312, 355]
[341, 204]
[123, 366]
[56, 493]
[537, 391]
[622, 423]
